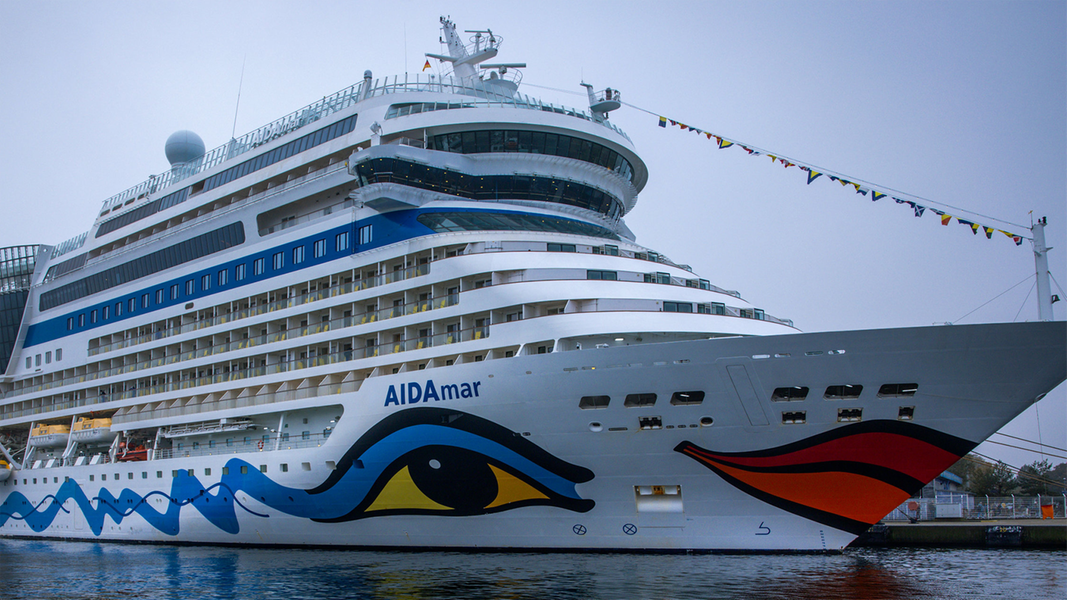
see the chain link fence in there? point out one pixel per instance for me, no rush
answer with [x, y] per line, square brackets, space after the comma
[963, 506]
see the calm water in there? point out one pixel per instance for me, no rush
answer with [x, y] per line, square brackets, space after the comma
[42, 570]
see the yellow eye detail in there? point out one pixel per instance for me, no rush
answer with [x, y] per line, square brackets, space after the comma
[512, 489]
[401, 493]
[452, 480]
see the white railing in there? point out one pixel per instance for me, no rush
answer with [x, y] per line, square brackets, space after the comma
[488, 94]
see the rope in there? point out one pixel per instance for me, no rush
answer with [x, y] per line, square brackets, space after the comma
[1031, 441]
[821, 169]
[997, 296]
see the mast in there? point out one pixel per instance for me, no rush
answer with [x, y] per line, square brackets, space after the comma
[1044, 291]
[463, 63]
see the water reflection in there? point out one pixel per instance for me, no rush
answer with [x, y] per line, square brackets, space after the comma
[31, 569]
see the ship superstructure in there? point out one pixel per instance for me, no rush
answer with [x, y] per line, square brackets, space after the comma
[411, 315]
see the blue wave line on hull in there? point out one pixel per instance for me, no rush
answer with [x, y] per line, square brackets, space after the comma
[220, 508]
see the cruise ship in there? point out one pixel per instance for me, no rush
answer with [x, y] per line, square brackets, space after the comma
[411, 315]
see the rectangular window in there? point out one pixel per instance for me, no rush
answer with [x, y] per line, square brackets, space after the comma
[320, 248]
[93, 316]
[687, 398]
[118, 309]
[279, 260]
[258, 266]
[81, 320]
[59, 354]
[789, 394]
[562, 248]
[29, 362]
[593, 402]
[144, 301]
[366, 234]
[239, 272]
[342, 241]
[131, 304]
[107, 312]
[70, 323]
[609, 275]
[223, 276]
[190, 287]
[205, 283]
[48, 357]
[298, 255]
[174, 292]
[636, 400]
[843, 392]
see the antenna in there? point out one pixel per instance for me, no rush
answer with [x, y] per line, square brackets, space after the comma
[240, 85]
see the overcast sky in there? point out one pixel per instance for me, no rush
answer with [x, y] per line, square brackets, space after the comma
[960, 103]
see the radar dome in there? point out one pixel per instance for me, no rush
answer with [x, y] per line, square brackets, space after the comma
[183, 147]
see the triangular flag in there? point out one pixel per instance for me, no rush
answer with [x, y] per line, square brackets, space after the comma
[812, 176]
[723, 143]
[988, 233]
[673, 122]
[876, 196]
[663, 121]
[918, 209]
[787, 164]
[426, 66]
[1018, 240]
[708, 133]
[974, 228]
[946, 218]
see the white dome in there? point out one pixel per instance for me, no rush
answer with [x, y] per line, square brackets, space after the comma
[183, 146]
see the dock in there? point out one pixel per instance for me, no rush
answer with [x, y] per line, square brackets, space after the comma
[995, 533]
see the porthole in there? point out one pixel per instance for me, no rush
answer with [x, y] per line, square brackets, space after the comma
[706, 421]
[595, 426]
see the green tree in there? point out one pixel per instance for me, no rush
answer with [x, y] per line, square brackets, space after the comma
[1059, 475]
[991, 480]
[1033, 478]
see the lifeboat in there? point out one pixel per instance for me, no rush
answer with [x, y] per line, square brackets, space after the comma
[49, 436]
[5, 470]
[92, 431]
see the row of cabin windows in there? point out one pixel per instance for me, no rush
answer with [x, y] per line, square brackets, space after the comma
[283, 467]
[240, 273]
[248, 440]
[36, 360]
[642, 400]
[844, 415]
[168, 258]
[844, 392]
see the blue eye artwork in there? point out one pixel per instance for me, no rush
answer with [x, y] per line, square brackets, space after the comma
[420, 461]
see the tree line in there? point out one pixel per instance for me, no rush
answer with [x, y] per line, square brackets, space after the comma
[984, 478]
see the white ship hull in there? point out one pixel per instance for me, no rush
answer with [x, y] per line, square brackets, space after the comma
[573, 478]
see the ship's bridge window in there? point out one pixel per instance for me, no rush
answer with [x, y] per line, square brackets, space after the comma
[610, 275]
[477, 142]
[488, 187]
[441, 222]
